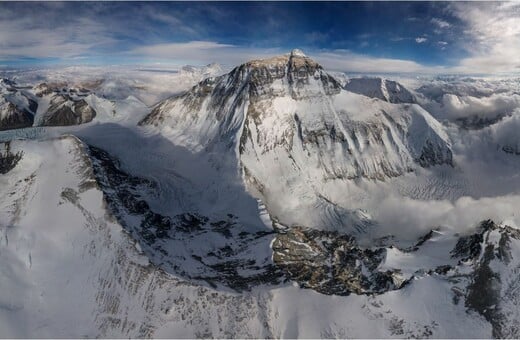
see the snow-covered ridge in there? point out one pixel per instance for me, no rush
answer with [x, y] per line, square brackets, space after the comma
[210, 70]
[384, 89]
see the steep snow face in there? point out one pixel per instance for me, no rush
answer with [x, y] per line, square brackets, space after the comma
[294, 129]
[387, 90]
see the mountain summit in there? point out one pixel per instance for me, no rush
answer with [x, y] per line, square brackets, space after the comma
[295, 130]
[297, 53]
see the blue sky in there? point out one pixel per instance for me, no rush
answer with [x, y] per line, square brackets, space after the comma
[430, 37]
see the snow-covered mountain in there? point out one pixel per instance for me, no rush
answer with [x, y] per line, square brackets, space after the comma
[199, 73]
[16, 109]
[272, 201]
[74, 98]
[384, 89]
[295, 129]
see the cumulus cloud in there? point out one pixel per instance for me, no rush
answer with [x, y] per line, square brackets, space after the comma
[505, 133]
[420, 40]
[412, 218]
[487, 107]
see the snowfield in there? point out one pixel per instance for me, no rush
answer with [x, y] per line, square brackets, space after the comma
[275, 200]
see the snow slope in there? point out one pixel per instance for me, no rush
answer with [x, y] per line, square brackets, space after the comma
[118, 293]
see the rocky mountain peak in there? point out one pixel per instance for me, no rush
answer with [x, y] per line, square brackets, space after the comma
[297, 53]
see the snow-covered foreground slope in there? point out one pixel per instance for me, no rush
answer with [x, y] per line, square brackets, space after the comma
[267, 202]
[55, 220]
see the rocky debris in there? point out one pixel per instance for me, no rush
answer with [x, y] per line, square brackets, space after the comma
[328, 262]
[8, 160]
[468, 247]
[332, 263]
[387, 90]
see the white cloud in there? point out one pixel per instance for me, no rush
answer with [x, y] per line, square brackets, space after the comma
[492, 39]
[493, 32]
[203, 52]
[440, 23]
[489, 107]
[505, 132]
[415, 217]
[21, 36]
[343, 60]
[442, 44]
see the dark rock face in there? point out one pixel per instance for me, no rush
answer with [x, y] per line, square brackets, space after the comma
[468, 247]
[328, 262]
[64, 111]
[8, 160]
[332, 263]
[435, 154]
[14, 118]
[493, 282]
[189, 244]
